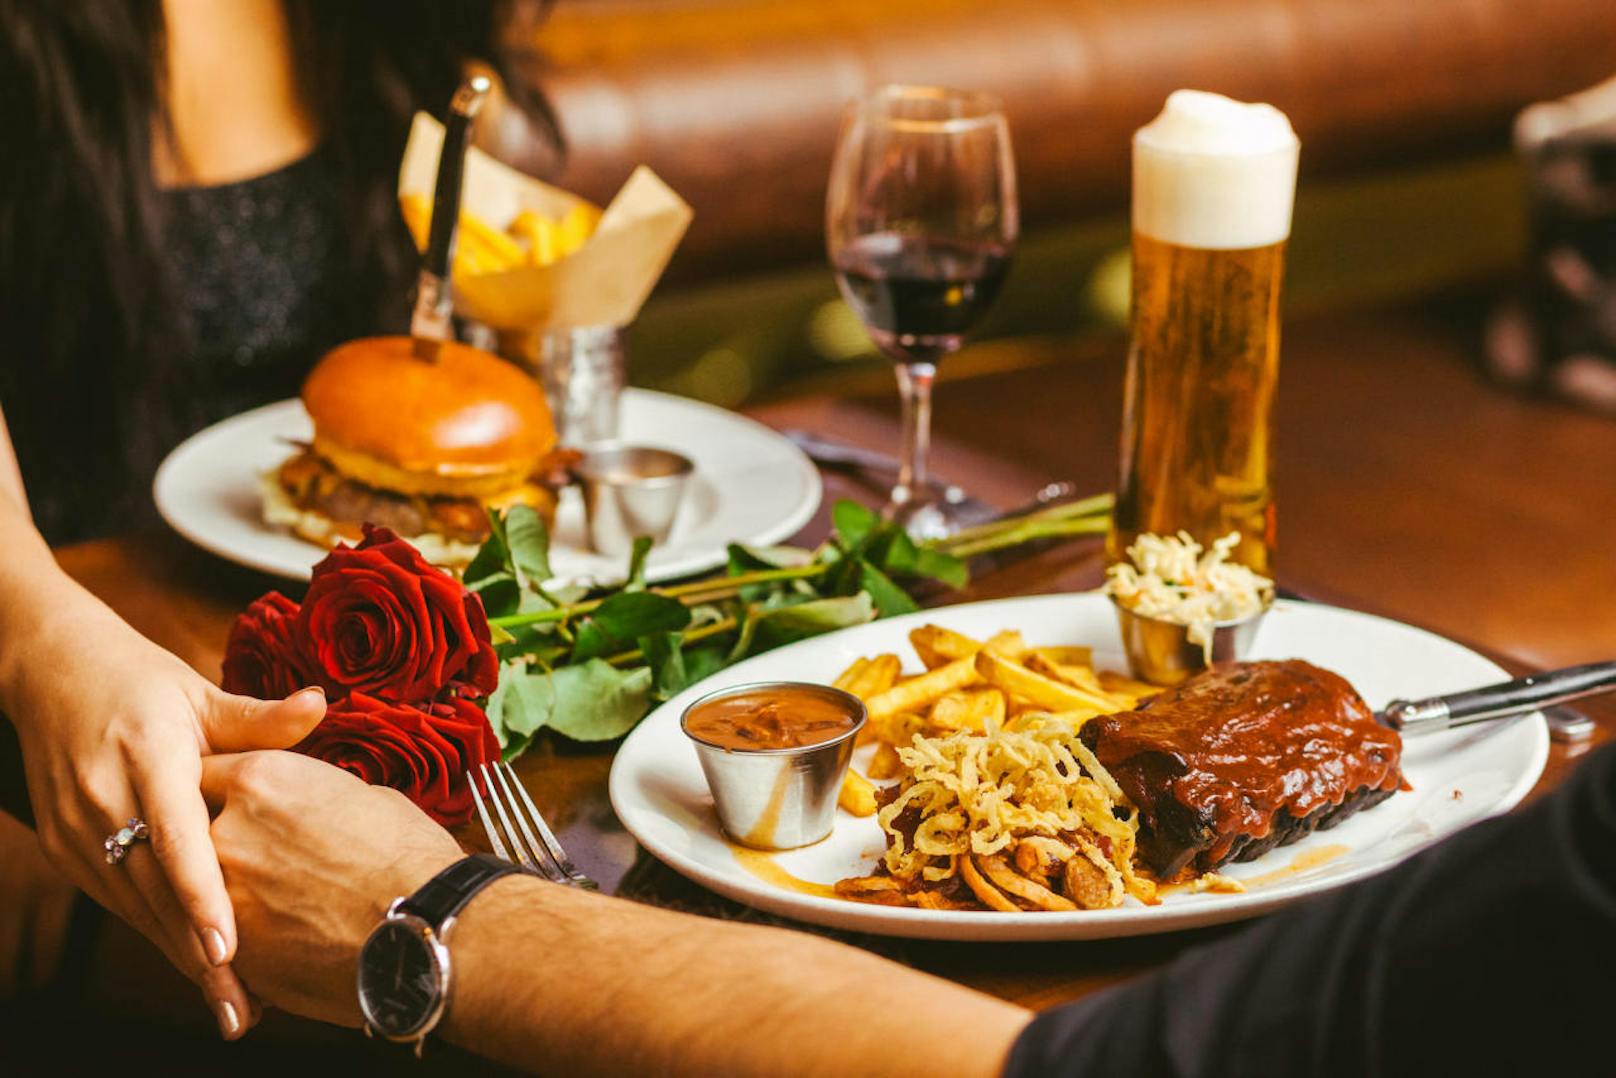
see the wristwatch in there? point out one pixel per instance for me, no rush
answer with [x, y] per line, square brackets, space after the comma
[404, 964]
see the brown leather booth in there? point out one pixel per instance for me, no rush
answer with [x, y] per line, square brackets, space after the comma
[737, 102]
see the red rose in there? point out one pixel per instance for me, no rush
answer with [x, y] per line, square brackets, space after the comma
[262, 658]
[380, 619]
[423, 754]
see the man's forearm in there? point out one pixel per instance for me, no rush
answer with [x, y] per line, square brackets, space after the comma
[551, 978]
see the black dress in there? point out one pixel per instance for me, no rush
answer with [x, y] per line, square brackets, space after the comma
[260, 284]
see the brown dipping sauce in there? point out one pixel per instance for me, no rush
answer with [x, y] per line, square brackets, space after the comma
[764, 718]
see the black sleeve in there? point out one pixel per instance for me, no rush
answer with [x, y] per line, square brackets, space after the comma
[1493, 952]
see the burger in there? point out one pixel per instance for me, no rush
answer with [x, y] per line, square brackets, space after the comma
[424, 446]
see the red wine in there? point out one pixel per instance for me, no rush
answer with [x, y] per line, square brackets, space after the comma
[917, 294]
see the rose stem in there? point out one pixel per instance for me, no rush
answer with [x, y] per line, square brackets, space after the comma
[1026, 533]
[720, 587]
[629, 658]
[1087, 507]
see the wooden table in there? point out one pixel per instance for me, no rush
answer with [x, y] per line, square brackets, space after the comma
[1407, 488]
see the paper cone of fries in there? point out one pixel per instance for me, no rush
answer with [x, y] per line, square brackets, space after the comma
[531, 258]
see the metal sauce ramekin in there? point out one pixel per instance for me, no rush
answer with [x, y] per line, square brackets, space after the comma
[778, 799]
[630, 491]
[1161, 652]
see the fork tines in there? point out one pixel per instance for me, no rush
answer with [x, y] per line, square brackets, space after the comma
[521, 835]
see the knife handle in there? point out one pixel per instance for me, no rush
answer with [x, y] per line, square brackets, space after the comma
[468, 99]
[1499, 701]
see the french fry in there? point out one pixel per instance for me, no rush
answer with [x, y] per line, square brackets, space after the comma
[968, 709]
[1079, 677]
[1122, 685]
[858, 794]
[897, 729]
[1043, 692]
[1007, 642]
[849, 677]
[928, 658]
[494, 245]
[479, 248]
[539, 233]
[946, 645]
[1068, 656]
[417, 213]
[885, 763]
[877, 677]
[576, 228]
[919, 693]
[1020, 705]
[867, 678]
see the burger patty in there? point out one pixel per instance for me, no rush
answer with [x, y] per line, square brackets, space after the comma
[314, 485]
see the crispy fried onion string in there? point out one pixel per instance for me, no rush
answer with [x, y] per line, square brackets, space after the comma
[981, 796]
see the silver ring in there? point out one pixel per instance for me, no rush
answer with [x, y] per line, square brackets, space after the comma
[117, 844]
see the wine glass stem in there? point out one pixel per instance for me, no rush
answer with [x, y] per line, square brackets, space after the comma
[914, 386]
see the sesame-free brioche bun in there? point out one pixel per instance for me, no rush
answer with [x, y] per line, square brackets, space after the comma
[465, 424]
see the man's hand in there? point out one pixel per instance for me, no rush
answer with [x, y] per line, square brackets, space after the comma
[312, 857]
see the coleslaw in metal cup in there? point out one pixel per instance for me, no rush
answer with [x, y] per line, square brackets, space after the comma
[1162, 653]
[767, 796]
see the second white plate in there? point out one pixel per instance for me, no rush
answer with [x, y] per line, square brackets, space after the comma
[1458, 777]
[750, 486]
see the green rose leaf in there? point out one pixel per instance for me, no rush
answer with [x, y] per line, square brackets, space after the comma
[636, 563]
[704, 662]
[513, 712]
[666, 659]
[900, 555]
[625, 617]
[500, 593]
[528, 541]
[888, 598]
[493, 558]
[593, 701]
[853, 523]
[802, 620]
[597, 701]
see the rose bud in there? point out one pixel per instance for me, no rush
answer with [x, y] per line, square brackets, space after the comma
[262, 657]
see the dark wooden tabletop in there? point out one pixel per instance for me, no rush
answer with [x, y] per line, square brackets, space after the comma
[1407, 487]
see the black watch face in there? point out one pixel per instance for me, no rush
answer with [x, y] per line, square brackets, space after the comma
[400, 980]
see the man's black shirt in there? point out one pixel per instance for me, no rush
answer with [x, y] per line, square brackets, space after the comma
[1493, 952]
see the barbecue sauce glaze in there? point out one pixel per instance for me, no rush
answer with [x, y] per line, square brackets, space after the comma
[1242, 742]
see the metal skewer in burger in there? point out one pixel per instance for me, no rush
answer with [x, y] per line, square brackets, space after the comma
[421, 433]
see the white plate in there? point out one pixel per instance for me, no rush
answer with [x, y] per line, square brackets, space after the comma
[750, 486]
[1458, 777]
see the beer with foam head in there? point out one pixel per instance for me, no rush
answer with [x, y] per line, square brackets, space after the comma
[1213, 185]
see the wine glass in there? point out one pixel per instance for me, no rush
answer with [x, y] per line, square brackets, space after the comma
[920, 223]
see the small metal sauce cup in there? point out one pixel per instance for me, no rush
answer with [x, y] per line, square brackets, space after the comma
[778, 799]
[630, 491]
[1161, 653]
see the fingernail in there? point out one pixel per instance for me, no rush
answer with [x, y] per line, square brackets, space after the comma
[213, 946]
[312, 690]
[229, 1021]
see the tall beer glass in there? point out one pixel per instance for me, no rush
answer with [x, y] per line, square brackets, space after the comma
[1213, 185]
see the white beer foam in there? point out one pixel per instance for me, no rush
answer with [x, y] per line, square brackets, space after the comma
[1213, 172]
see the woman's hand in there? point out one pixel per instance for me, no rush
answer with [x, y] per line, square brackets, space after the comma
[113, 726]
[313, 856]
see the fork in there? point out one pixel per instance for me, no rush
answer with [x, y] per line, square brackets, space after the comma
[539, 853]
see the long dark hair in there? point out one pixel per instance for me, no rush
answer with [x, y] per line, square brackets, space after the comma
[87, 323]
